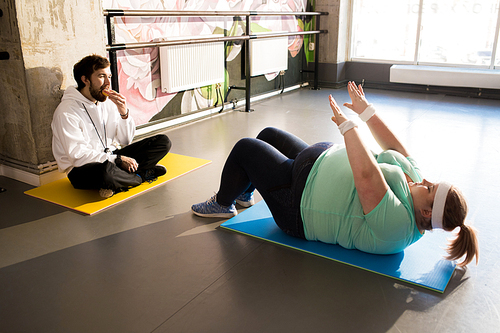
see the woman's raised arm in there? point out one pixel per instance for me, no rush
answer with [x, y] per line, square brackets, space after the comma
[380, 131]
[368, 178]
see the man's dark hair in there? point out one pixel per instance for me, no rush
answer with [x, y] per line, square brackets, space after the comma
[87, 66]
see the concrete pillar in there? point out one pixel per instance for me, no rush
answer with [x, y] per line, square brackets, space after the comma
[334, 46]
[39, 43]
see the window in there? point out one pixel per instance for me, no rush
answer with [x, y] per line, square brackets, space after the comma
[433, 32]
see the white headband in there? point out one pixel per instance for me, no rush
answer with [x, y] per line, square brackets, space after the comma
[438, 206]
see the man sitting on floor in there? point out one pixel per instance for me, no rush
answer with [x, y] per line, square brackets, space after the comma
[90, 127]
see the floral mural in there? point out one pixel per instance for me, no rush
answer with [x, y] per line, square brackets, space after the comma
[139, 69]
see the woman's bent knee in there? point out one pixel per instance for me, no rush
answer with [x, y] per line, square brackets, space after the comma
[267, 133]
[244, 144]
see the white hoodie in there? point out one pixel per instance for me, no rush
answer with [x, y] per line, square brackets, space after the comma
[75, 141]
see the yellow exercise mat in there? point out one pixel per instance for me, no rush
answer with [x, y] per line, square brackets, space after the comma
[89, 202]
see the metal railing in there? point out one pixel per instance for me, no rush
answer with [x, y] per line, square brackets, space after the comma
[112, 47]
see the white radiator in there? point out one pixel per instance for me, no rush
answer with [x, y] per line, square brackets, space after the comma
[191, 66]
[268, 55]
[445, 76]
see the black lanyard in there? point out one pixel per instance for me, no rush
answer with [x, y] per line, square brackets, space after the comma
[106, 149]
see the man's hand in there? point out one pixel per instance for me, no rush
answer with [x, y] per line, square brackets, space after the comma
[129, 164]
[118, 99]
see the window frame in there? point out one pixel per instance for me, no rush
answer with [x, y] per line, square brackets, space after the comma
[415, 60]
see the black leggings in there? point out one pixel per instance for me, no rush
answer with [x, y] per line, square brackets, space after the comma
[277, 163]
[107, 175]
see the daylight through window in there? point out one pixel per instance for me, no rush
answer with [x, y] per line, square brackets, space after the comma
[439, 32]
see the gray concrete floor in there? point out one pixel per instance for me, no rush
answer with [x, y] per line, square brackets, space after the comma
[150, 265]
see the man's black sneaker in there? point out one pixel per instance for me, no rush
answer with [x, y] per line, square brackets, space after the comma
[152, 174]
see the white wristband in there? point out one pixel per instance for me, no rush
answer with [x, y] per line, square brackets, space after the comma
[368, 113]
[346, 126]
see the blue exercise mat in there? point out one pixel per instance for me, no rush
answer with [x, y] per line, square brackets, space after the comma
[421, 264]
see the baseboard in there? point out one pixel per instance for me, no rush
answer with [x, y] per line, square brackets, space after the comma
[30, 178]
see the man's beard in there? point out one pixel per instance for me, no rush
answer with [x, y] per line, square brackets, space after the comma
[97, 93]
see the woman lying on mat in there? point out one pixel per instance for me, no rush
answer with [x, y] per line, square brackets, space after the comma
[348, 196]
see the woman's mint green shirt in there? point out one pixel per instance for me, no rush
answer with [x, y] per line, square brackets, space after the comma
[332, 213]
